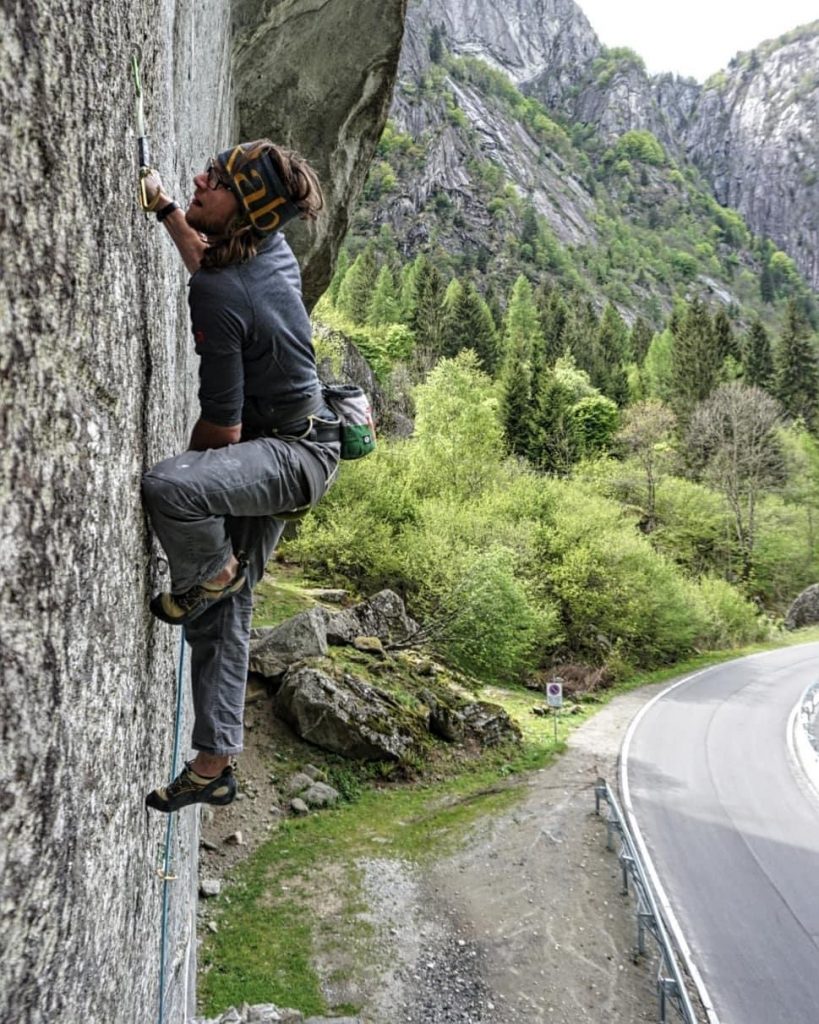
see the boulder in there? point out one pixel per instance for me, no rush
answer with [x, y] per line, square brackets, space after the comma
[298, 783]
[348, 717]
[299, 807]
[383, 616]
[489, 724]
[805, 609]
[274, 649]
[444, 721]
[321, 795]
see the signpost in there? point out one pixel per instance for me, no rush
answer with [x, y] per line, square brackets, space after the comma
[554, 698]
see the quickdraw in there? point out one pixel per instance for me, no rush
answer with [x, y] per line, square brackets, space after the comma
[142, 140]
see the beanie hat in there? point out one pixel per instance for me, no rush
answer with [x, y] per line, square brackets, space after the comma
[256, 183]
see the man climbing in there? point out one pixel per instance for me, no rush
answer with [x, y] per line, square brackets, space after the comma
[265, 444]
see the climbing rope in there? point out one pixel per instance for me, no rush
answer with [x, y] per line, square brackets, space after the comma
[165, 871]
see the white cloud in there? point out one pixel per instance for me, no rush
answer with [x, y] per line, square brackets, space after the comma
[697, 37]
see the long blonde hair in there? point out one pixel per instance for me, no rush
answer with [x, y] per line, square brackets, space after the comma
[241, 241]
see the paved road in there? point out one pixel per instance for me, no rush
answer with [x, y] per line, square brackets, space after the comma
[732, 829]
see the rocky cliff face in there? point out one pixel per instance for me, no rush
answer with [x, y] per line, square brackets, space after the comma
[320, 83]
[98, 383]
[755, 135]
[752, 130]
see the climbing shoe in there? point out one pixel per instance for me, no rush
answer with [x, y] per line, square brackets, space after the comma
[179, 609]
[190, 788]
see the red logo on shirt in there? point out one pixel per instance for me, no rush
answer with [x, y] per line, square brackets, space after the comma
[198, 337]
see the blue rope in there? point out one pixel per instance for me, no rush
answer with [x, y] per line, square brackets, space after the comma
[166, 865]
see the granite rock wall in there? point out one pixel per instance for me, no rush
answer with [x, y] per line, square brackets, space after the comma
[98, 382]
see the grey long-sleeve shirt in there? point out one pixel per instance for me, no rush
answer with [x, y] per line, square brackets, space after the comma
[253, 336]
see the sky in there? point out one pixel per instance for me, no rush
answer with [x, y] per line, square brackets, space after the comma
[693, 37]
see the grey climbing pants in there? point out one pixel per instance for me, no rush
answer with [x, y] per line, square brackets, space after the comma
[204, 506]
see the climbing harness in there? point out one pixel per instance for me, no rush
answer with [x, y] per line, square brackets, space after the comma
[165, 872]
[142, 139]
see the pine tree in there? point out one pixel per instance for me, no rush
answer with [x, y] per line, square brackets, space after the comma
[767, 290]
[342, 266]
[384, 307]
[757, 358]
[357, 287]
[796, 379]
[608, 373]
[428, 315]
[516, 397]
[641, 335]
[468, 324]
[406, 289]
[554, 319]
[581, 334]
[529, 233]
[554, 442]
[695, 360]
[521, 330]
[724, 336]
[436, 45]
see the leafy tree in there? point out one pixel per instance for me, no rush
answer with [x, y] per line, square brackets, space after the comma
[658, 367]
[646, 434]
[757, 358]
[732, 433]
[695, 360]
[356, 289]
[594, 422]
[384, 307]
[459, 436]
[796, 380]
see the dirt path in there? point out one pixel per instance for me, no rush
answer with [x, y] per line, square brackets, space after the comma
[526, 923]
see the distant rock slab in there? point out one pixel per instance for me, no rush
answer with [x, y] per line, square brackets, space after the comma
[805, 609]
[348, 716]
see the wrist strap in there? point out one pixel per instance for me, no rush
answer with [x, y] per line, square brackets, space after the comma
[166, 211]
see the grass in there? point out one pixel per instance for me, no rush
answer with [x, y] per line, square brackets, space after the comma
[298, 895]
[281, 595]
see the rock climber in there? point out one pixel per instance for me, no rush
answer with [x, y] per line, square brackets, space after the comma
[265, 445]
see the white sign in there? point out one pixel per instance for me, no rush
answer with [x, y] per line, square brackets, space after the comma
[554, 695]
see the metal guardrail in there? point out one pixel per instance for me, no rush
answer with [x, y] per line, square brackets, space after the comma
[810, 702]
[671, 988]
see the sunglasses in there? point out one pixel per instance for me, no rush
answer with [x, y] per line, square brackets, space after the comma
[215, 180]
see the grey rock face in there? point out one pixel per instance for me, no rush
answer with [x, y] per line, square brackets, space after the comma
[522, 37]
[99, 383]
[756, 137]
[805, 609]
[349, 718]
[322, 85]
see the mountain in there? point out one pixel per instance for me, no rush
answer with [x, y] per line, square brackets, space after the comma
[507, 111]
